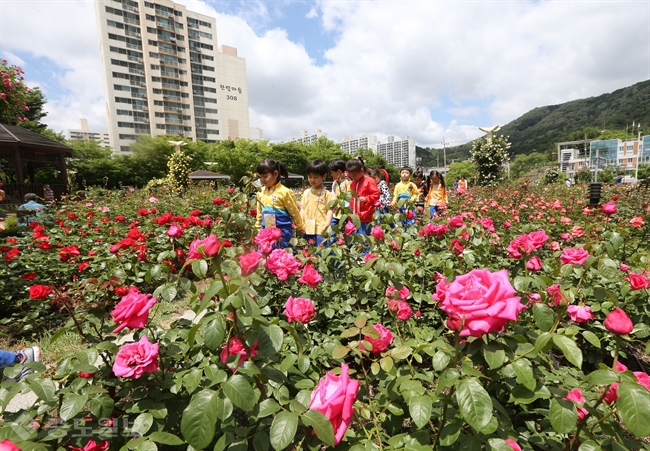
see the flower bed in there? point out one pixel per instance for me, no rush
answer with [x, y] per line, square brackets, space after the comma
[504, 324]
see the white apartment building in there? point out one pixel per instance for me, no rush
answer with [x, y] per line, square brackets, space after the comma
[256, 134]
[164, 74]
[307, 138]
[399, 153]
[351, 146]
[83, 134]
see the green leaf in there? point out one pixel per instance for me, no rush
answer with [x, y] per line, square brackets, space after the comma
[589, 445]
[420, 409]
[321, 424]
[569, 348]
[213, 333]
[361, 322]
[200, 268]
[449, 434]
[283, 429]
[524, 371]
[72, 405]
[43, 388]
[591, 338]
[340, 351]
[544, 317]
[142, 423]
[240, 392]
[497, 444]
[474, 403]
[102, 406]
[371, 332]
[633, 405]
[271, 339]
[563, 415]
[146, 446]
[541, 341]
[602, 377]
[351, 332]
[440, 360]
[165, 438]
[192, 380]
[224, 408]
[261, 441]
[494, 354]
[268, 407]
[401, 352]
[199, 419]
[386, 363]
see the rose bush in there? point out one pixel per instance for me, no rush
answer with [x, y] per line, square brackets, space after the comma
[485, 364]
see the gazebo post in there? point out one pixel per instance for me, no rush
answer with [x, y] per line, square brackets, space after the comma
[62, 170]
[18, 165]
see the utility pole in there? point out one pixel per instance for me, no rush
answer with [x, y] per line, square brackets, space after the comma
[444, 153]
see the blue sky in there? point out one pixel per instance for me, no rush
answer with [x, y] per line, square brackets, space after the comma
[429, 69]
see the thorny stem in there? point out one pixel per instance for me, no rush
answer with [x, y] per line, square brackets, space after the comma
[374, 414]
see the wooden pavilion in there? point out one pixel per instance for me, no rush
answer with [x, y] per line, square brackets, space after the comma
[25, 152]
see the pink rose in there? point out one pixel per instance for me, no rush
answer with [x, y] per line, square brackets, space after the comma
[520, 246]
[577, 231]
[135, 359]
[534, 298]
[574, 256]
[133, 310]
[236, 347]
[92, 446]
[488, 224]
[554, 246]
[534, 264]
[249, 262]
[637, 221]
[575, 395]
[211, 246]
[557, 297]
[404, 311]
[369, 257]
[638, 281]
[6, 444]
[456, 246]
[482, 300]
[609, 208]
[334, 397]
[282, 264]
[513, 444]
[456, 221]
[174, 231]
[267, 238]
[377, 232]
[537, 239]
[434, 229]
[624, 267]
[618, 322]
[310, 276]
[506, 224]
[642, 379]
[580, 313]
[349, 228]
[383, 342]
[403, 293]
[299, 309]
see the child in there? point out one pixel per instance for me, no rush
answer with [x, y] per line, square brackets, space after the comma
[437, 195]
[314, 211]
[21, 357]
[276, 204]
[462, 185]
[366, 193]
[384, 191]
[418, 179]
[340, 184]
[406, 189]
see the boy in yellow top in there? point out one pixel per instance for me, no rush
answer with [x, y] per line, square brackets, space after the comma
[314, 212]
[340, 183]
[406, 189]
[276, 204]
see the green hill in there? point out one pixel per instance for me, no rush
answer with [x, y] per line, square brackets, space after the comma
[542, 128]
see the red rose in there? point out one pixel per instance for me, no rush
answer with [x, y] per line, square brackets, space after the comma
[39, 291]
[83, 266]
[534, 264]
[609, 208]
[29, 276]
[122, 291]
[218, 201]
[86, 375]
[456, 247]
[211, 246]
[234, 348]
[638, 281]
[68, 252]
[377, 232]
[618, 322]
[382, 343]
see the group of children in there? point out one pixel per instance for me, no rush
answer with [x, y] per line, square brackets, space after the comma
[277, 205]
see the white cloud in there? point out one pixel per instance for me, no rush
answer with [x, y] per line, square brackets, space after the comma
[424, 69]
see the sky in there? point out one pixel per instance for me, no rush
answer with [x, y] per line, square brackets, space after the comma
[431, 70]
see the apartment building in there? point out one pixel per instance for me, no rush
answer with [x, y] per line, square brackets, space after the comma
[591, 154]
[399, 153]
[84, 134]
[164, 74]
[307, 138]
[351, 146]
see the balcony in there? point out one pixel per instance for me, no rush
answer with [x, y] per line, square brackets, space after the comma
[133, 46]
[169, 120]
[137, 95]
[164, 25]
[129, 8]
[167, 62]
[134, 58]
[141, 119]
[132, 33]
[167, 51]
[131, 21]
[140, 108]
[173, 109]
[136, 71]
[171, 86]
[170, 74]
[192, 25]
[172, 98]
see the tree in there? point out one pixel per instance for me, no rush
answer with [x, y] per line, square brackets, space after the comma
[524, 163]
[461, 169]
[13, 95]
[237, 158]
[584, 175]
